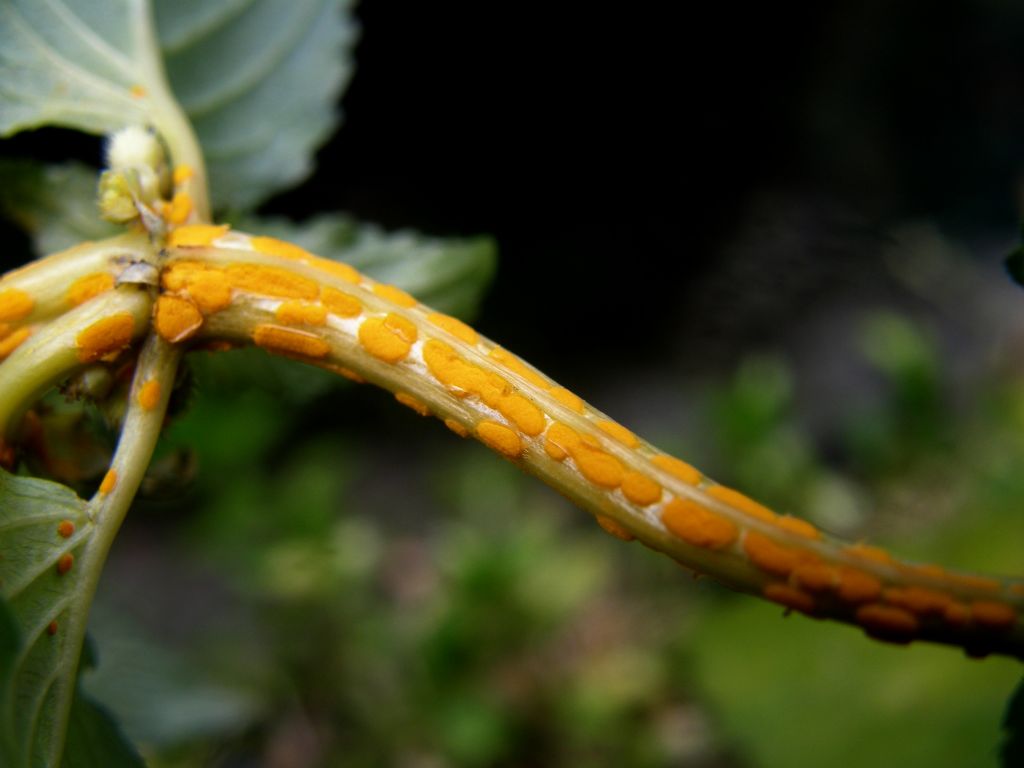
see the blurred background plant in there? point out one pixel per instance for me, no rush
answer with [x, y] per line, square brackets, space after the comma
[314, 576]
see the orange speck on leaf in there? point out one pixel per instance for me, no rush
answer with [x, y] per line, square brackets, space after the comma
[65, 528]
[64, 564]
[456, 427]
[798, 526]
[51, 628]
[772, 557]
[815, 577]
[181, 174]
[271, 281]
[742, 503]
[517, 366]
[137, 91]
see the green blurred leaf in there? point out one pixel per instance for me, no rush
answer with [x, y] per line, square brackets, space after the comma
[94, 739]
[36, 683]
[260, 82]
[1015, 266]
[1012, 752]
[449, 274]
[55, 204]
[73, 63]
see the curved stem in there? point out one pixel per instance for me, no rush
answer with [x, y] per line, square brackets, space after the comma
[255, 290]
[150, 391]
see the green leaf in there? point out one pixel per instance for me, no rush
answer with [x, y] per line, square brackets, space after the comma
[72, 63]
[1015, 266]
[1012, 752]
[55, 204]
[448, 274]
[260, 80]
[95, 740]
[46, 606]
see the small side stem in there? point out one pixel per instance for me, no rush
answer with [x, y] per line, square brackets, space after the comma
[156, 368]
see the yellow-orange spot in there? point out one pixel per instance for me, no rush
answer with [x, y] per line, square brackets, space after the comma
[798, 526]
[791, 597]
[339, 269]
[51, 628]
[868, 552]
[271, 281]
[181, 174]
[614, 527]
[567, 398]
[282, 248]
[856, 586]
[993, 615]
[176, 319]
[499, 438]
[395, 295]
[15, 304]
[340, 303]
[179, 209]
[773, 557]
[207, 286]
[697, 525]
[676, 468]
[89, 286]
[301, 313]
[149, 395]
[516, 408]
[5, 330]
[64, 564]
[598, 467]
[980, 583]
[917, 600]
[887, 622]
[12, 341]
[618, 432]
[65, 528]
[195, 235]
[413, 402]
[344, 372]
[105, 337]
[454, 326]
[387, 338]
[815, 577]
[517, 366]
[640, 489]
[289, 341]
[745, 504]
[456, 427]
[957, 615]
[137, 91]
[109, 482]
[560, 440]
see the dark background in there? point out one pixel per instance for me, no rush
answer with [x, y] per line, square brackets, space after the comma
[687, 188]
[715, 174]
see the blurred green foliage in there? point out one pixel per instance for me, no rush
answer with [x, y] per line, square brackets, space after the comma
[377, 592]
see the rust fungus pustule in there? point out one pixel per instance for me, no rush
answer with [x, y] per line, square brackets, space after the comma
[105, 337]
